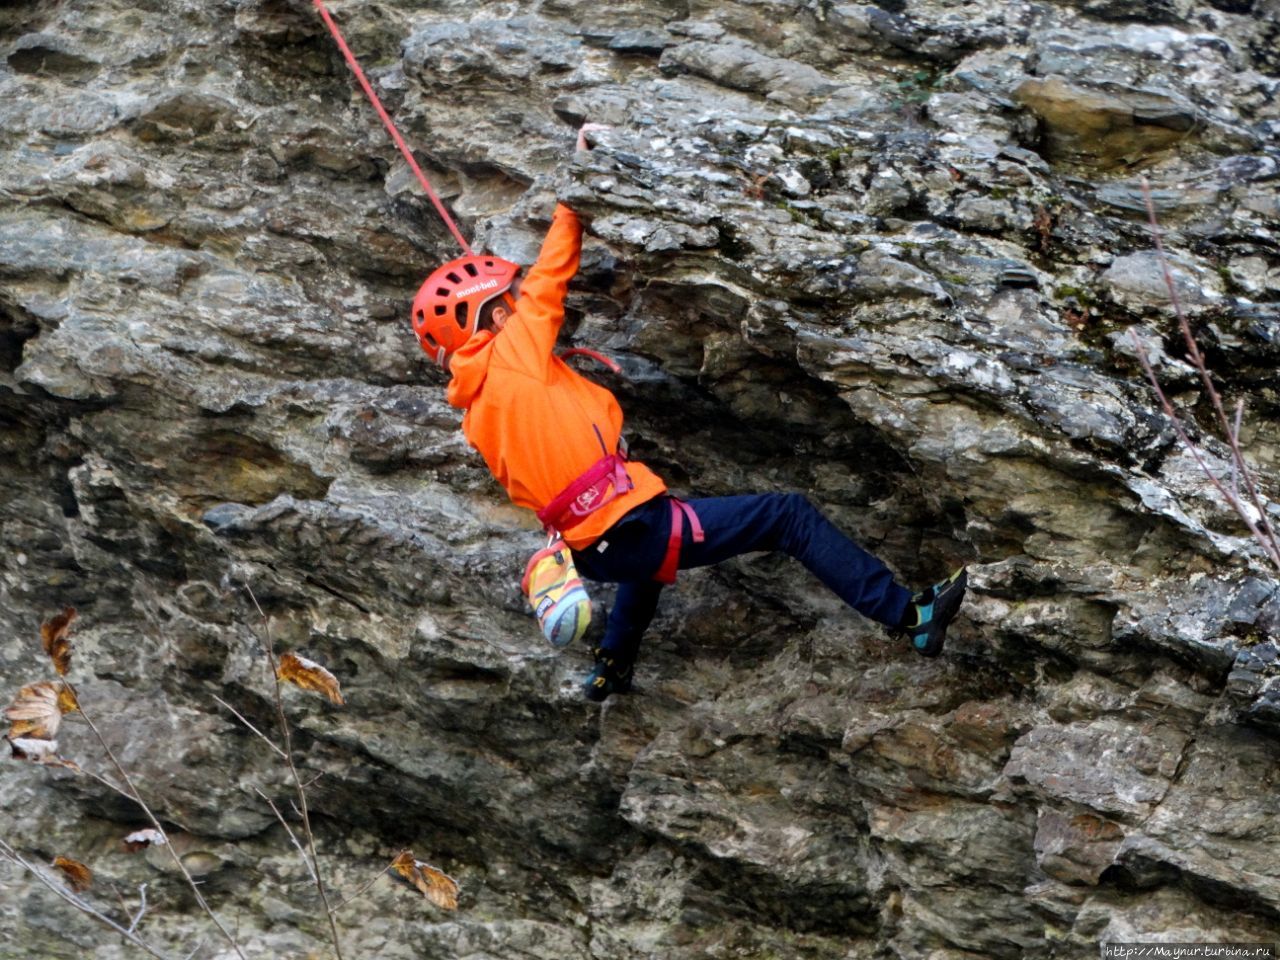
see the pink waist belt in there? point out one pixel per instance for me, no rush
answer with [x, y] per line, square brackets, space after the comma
[602, 481]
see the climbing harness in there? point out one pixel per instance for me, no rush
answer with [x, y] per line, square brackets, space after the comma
[593, 355]
[680, 511]
[391, 127]
[600, 483]
[592, 489]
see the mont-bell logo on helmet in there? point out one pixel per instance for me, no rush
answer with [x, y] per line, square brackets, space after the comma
[475, 288]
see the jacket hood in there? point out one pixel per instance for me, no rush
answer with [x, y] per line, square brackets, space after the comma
[469, 366]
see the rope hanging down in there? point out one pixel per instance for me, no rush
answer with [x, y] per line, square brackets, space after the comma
[391, 127]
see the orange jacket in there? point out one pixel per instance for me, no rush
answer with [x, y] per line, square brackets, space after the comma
[539, 424]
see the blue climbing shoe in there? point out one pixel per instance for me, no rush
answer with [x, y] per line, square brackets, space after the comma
[931, 610]
[609, 676]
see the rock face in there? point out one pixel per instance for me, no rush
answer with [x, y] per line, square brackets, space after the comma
[892, 256]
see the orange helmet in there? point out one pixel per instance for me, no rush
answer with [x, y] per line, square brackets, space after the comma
[447, 307]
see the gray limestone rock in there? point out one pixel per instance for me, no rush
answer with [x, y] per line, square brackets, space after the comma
[893, 256]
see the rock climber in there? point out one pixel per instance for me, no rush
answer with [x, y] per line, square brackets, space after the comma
[552, 438]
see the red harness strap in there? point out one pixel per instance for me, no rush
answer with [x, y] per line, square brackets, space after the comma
[595, 355]
[602, 481]
[671, 562]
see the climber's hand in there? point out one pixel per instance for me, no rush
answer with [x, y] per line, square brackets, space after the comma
[582, 134]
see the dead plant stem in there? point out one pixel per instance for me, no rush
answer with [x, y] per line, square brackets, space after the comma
[365, 889]
[12, 855]
[133, 794]
[286, 732]
[1261, 529]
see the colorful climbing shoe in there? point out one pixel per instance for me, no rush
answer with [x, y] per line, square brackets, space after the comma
[609, 676]
[931, 610]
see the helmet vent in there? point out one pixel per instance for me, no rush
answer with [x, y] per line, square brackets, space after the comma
[452, 275]
[471, 269]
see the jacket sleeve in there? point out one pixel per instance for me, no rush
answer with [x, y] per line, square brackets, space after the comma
[530, 335]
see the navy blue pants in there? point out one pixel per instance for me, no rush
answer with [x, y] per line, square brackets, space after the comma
[631, 551]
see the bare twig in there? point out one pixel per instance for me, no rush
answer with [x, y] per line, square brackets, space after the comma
[1261, 528]
[1185, 439]
[265, 739]
[286, 732]
[124, 907]
[1266, 535]
[1235, 437]
[109, 784]
[142, 908]
[368, 886]
[292, 836]
[131, 791]
[12, 855]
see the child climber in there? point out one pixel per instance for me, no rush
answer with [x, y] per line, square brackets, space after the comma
[552, 438]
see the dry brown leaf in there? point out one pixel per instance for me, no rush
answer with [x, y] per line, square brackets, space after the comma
[54, 634]
[79, 877]
[67, 701]
[40, 751]
[437, 886]
[141, 839]
[36, 750]
[36, 712]
[309, 675]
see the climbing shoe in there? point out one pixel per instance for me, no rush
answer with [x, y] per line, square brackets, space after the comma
[609, 676]
[930, 610]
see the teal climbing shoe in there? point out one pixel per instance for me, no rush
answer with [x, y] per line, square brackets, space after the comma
[931, 610]
[610, 676]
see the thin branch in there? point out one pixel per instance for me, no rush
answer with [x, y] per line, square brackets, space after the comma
[265, 739]
[287, 733]
[142, 908]
[133, 794]
[1235, 438]
[124, 907]
[1267, 535]
[368, 886]
[1185, 438]
[110, 784]
[10, 854]
[1261, 529]
[292, 836]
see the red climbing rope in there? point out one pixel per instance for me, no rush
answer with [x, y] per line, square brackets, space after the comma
[391, 127]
